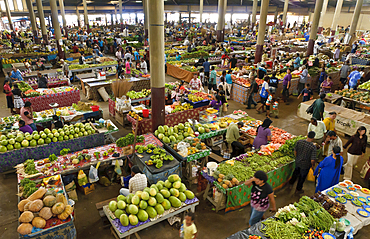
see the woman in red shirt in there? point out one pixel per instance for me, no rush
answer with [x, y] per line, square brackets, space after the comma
[9, 96]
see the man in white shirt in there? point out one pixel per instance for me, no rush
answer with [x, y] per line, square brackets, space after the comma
[320, 130]
[143, 66]
[137, 182]
[128, 56]
[119, 41]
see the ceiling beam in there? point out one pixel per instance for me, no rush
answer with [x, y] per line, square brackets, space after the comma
[175, 2]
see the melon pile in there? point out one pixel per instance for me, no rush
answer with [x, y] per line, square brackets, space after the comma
[40, 207]
[151, 201]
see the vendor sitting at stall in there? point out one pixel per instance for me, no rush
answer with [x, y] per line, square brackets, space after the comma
[57, 123]
[42, 82]
[137, 182]
[25, 128]
[16, 75]
[232, 136]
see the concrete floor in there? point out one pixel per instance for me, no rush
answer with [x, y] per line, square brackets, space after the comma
[209, 223]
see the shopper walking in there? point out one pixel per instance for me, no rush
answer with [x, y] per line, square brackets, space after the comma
[262, 196]
[343, 73]
[305, 158]
[229, 83]
[320, 130]
[333, 140]
[322, 77]
[330, 167]
[17, 99]
[318, 107]
[286, 85]
[355, 151]
[252, 90]
[212, 81]
[303, 77]
[264, 93]
[9, 96]
[189, 229]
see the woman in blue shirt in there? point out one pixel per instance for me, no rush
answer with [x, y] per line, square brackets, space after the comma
[178, 56]
[229, 83]
[297, 62]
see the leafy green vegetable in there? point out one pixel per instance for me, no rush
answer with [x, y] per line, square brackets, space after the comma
[128, 140]
[52, 158]
[29, 167]
[64, 151]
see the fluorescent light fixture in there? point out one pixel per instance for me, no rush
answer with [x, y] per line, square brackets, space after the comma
[138, 1]
[89, 2]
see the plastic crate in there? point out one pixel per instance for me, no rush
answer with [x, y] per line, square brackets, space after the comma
[7, 66]
[197, 104]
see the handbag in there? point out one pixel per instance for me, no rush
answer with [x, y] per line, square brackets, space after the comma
[310, 108]
[263, 93]
[365, 171]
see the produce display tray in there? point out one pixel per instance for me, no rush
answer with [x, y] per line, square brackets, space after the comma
[198, 103]
[189, 158]
[140, 161]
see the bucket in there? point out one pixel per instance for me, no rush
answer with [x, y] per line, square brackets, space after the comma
[95, 108]
[145, 113]
[211, 168]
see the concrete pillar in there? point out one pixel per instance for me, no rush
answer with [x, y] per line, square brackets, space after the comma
[337, 11]
[179, 17]
[276, 15]
[146, 18]
[8, 14]
[78, 17]
[86, 17]
[323, 12]
[56, 26]
[32, 19]
[120, 14]
[40, 10]
[261, 30]
[111, 20]
[221, 20]
[354, 23]
[189, 9]
[24, 5]
[254, 12]
[314, 26]
[224, 13]
[157, 79]
[62, 12]
[201, 12]
[136, 20]
[115, 15]
[15, 4]
[285, 12]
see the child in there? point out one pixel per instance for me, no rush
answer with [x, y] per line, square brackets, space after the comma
[261, 196]
[216, 102]
[307, 93]
[189, 228]
[270, 100]
[275, 110]
[202, 78]
[221, 94]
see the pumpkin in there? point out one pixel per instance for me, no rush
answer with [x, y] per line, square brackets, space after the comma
[37, 195]
[27, 206]
[65, 214]
[26, 217]
[36, 205]
[49, 201]
[58, 208]
[38, 222]
[46, 213]
[61, 198]
[24, 228]
[50, 192]
[21, 204]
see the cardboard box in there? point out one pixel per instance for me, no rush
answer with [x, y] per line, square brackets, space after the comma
[87, 188]
[244, 142]
[119, 117]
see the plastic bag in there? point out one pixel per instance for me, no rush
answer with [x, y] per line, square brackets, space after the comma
[81, 178]
[346, 87]
[310, 176]
[93, 174]
[182, 147]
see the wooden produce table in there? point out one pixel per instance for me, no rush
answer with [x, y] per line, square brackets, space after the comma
[125, 232]
[42, 102]
[347, 121]
[173, 119]
[44, 72]
[179, 73]
[239, 196]
[12, 158]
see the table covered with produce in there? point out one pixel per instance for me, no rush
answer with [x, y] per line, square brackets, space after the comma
[146, 208]
[62, 98]
[17, 147]
[306, 219]
[180, 73]
[171, 119]
[356, 201]
[44, 209]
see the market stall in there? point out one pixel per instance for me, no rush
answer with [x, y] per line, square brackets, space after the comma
[179, 73]
[42, 102]
[172, 119]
